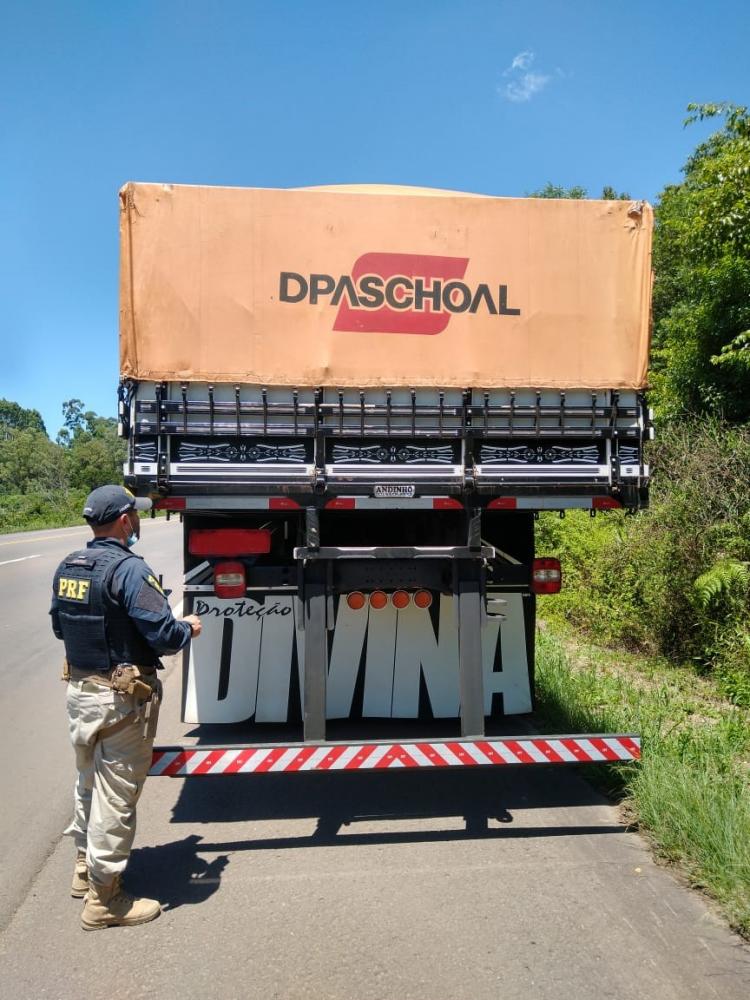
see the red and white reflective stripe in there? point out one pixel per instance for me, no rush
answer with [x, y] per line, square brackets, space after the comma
[175, 762]
[554, 503]
[226, 503]
[394, 503]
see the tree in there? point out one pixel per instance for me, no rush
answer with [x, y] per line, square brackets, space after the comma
[93, 452]
[551, 190]
[96, 459]
[75, 421]
[31, 463]
[42, 482]
[13, 416]
[702, 268]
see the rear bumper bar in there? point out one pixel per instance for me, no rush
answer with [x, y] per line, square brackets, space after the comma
[178, 762]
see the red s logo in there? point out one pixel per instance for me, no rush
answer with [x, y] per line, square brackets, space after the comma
[419, 314]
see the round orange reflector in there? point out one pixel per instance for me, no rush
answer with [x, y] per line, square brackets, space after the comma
[423, 598]
[378, 600]
[355, 600]
[400, 599]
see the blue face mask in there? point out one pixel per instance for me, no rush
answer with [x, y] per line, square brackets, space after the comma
[132, 538]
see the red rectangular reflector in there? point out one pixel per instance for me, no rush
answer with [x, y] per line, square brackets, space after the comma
[502, 503]
[170, 503]
[283, 503]
[446, 503]
[229, 541]
[341, 503]
[605, 503]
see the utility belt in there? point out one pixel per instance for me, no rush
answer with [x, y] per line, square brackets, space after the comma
[127, 678]
[141, 682]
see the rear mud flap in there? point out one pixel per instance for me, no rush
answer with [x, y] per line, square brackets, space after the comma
[386, 663]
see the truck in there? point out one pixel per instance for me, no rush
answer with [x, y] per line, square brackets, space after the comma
[359, 399]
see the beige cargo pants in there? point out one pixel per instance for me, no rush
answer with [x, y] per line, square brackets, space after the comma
[111, 774]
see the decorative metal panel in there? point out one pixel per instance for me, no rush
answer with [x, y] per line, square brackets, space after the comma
[540, 454]
[145, 449]
[390, 453]
[242, 451]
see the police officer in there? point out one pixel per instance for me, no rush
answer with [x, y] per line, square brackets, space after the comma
[115, 621]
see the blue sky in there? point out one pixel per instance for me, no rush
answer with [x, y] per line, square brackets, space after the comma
[493, 97]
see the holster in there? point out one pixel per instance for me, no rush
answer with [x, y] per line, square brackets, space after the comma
[151, 716]
[140, 682]
[143, 684]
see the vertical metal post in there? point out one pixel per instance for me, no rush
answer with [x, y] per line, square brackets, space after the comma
[474, 540]
[162, 467]
[316, 654]
[316, 639]
[312, 528]
[471, 681]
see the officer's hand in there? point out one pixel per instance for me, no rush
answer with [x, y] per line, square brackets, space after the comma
[195, 624]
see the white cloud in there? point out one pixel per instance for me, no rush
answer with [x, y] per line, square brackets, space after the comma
[523, 82]
[524, 88]
[522, 61]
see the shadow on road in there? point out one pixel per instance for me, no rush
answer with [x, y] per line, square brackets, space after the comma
[481, 801]
[457, 805]
[340, 800]
[177, 871]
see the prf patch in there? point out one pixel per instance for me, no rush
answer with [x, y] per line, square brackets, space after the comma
[71, 589]
[151, 597]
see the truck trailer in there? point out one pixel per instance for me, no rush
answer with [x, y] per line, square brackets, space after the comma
[358, 400]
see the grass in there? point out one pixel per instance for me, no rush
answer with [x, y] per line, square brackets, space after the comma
[32, 511]
[691, 791]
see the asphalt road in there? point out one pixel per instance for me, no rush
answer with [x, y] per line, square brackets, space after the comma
[417, 886]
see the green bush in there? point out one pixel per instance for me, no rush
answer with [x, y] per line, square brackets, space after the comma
[43, 483]
[27, 511]
[701, 307]
[674, 579]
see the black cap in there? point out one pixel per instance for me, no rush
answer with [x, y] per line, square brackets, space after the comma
[106, 504]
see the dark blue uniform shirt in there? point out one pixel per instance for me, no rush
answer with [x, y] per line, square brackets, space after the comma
[134, 586]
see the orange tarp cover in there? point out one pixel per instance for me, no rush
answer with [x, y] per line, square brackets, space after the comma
[383, 287]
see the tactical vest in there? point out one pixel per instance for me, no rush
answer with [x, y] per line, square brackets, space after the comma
[97, 632]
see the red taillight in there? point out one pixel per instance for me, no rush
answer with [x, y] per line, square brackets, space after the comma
[546, 576]
[341, 503]
[446, 503]
[400, 599]
[229, 541]
[605, 503]
[356, 600]
[170, 503]
[229, 579]
[378, 599]
[502, 503]
[423, 598]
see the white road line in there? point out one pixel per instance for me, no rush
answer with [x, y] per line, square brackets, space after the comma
[43, 538]
[6, 562]
[83, 528]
